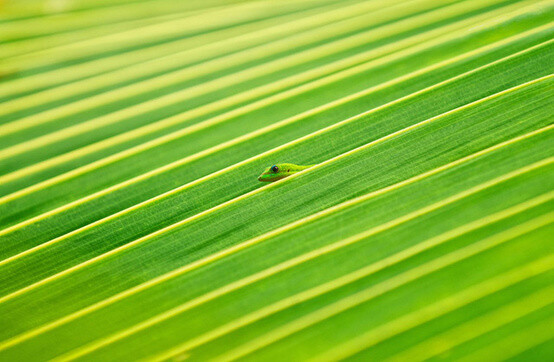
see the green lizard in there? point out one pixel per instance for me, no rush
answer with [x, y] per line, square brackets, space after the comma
[280, 171]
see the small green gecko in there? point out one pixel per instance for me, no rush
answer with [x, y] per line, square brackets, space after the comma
[280, 171]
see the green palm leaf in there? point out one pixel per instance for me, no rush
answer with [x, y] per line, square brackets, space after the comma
[133, 227]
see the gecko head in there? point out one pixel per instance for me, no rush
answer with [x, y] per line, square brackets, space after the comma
[274, 173]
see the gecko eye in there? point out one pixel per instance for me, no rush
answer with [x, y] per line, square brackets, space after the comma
[274, 169]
